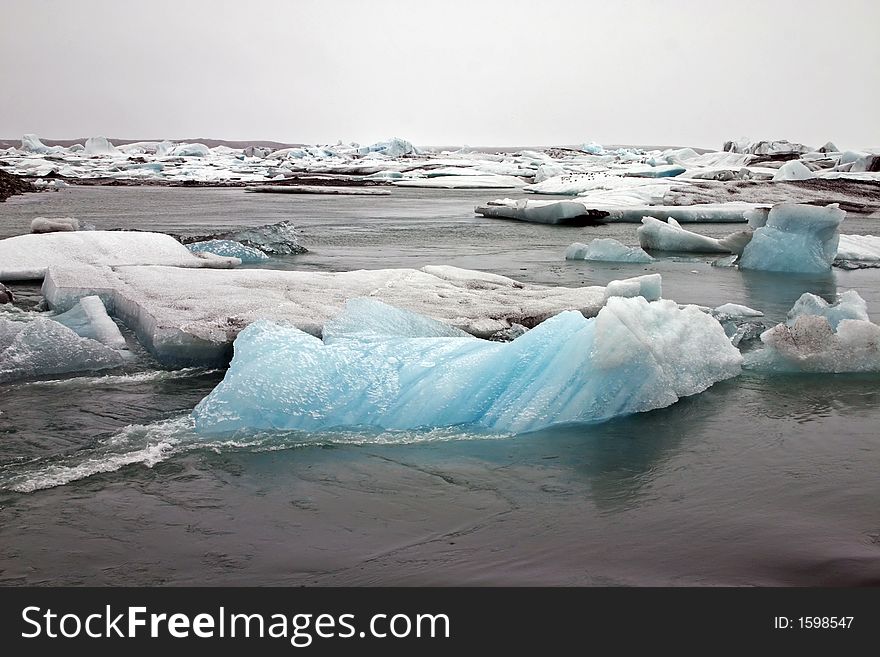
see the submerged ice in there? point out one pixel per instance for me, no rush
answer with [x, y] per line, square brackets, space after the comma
[633, 356]
[607, 250]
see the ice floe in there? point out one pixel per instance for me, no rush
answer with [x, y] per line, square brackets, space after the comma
[634, 356]
[27, 257]
[608, 250]
[229, 249]
[54, 224]
[191, 316]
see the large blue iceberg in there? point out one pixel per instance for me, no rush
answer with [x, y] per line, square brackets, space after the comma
[796, 238]
[633, 356]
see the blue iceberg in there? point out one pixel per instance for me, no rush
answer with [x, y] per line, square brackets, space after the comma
[796, 238]
[633, 356]
[229, 248]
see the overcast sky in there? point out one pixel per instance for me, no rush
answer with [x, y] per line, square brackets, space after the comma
[448, 72]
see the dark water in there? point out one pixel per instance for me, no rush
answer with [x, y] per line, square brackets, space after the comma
[759, 480]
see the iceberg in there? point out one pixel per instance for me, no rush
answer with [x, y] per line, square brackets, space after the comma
[99, 146]
[793, 170]
[230, 249]
[463, 182]
[40, 347]
[31, 144]
[28, 257]
[859, 248]
[649, 286]
[191, 316]
[89, 319]
[190, 150]
[272, 239]
[737, 310]
[607, 250]
[848, 306]
[634, 356]
[656, 235]
[795, 238]
[54, 225]
[819, 337]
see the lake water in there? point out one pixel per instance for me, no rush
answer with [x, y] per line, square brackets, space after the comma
[759, 480]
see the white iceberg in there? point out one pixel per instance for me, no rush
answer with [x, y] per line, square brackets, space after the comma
[27, 257]
[848, 306]
[793, 170]
[31, 144]
[656, 235]
[89, 319]
[190, 150]
[795, 238]
[821, 338]
[191, 316]
[607, 250]
[634, 356]
[99, 146]
[737, 310]
[859, 248]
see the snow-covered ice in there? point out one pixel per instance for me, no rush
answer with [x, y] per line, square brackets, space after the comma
[193, 315]
[795, 238]
[608, 250]
[859, 248]
[634, 356]
[27, 257]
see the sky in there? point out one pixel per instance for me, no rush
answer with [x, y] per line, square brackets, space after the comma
[449, 72]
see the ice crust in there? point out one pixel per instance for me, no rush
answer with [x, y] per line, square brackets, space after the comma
[634, 356]
[27, 257]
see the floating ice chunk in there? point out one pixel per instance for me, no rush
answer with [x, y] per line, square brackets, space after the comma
[229, 248]
[649, 286]
[191, 316]
[54, 224]
[394, 147]
[593, 148]
[811, 345]
[633, 357]
[793, 170]
[796, 238]
[99, 146]
[370, 320]
[668, 235]
[659, 171]
[191, 150]
[849, 306]
[539, 212]
[39, 347]
[274, 239]
[89, 319]
[464, 182]
[737, 310]
[27, 257]
[863, 248]
[31, 144]
[608, 250]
